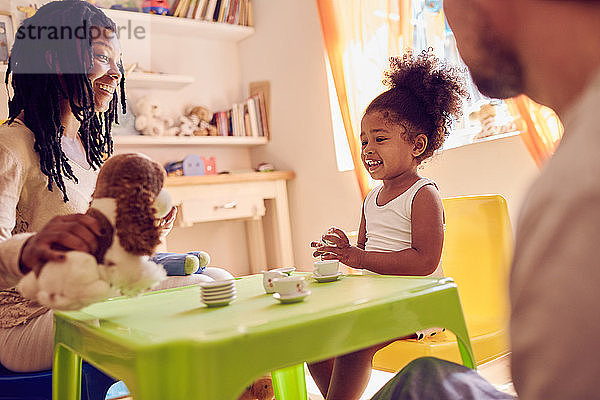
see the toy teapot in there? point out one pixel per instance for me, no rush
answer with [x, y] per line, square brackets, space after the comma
[268, 277]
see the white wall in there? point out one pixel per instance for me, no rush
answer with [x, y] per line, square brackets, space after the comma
[501, 166]
[287, 49]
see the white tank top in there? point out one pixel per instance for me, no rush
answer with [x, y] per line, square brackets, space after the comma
[389, 226]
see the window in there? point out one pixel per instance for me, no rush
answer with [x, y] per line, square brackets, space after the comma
[482, 118]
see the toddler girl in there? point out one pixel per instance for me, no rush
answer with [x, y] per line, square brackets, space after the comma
[401, 229]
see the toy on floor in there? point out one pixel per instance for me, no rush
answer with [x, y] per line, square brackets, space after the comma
[261, 389]
[178, 264]
[128, 202]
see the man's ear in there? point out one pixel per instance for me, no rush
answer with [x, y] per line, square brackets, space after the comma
[420, 145]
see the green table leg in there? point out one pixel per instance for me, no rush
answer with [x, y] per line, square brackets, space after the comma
[466, 353]
[290, 383]
[66, 374]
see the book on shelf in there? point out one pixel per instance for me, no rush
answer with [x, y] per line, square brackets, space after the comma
[210, 10]
[247, 118]
[253, 113]
[223, 10]
[201, 10]
[262, 89]
[191, 9]
[234, 12]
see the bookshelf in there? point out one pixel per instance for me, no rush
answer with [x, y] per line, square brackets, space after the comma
[136, 80]
[175, 26]
[164, 31]
[139, 140]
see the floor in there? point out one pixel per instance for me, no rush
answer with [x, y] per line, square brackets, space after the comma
[497, 372]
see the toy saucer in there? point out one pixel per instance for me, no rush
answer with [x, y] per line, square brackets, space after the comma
[219, 302]
[326, 278]
[291, 298]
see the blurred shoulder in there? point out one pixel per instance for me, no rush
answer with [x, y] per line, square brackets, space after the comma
[16, 140]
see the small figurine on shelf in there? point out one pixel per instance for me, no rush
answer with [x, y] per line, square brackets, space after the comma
[159, 7]
[192, 165]
[265, 167]
[210, 166]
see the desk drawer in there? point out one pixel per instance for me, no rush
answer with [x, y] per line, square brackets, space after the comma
[220, 208]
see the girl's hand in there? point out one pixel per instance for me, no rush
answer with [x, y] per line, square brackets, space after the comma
[63, 233]
[335, 245]
[166, 223]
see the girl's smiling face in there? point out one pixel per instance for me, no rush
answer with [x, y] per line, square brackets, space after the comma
[386, 151]
[105, 74]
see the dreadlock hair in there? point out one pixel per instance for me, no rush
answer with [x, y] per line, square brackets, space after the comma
[424, 94]
[49, 62]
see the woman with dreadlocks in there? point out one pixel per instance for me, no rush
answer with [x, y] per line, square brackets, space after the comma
[64, 69]
[66, 73]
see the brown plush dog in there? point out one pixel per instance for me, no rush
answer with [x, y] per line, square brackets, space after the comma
[261, 389]
[128, 201]
[134, 181]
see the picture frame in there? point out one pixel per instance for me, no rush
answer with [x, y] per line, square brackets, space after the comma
[7, 35]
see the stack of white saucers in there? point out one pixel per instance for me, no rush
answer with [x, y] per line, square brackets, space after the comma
[217, 293]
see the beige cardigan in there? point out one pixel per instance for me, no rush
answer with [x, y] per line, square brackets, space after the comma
[26, 205]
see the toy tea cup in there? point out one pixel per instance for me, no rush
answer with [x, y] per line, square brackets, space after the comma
[326, 267]
[268, 277]
[286, 270]
[290, 285]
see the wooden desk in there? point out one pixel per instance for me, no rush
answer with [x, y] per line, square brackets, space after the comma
[169, 345]
[239, 196]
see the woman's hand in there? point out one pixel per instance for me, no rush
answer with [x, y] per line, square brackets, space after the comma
[63, 233]
[166, 222]
[335, 245]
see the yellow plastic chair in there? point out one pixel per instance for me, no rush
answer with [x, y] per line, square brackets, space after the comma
[477, 252]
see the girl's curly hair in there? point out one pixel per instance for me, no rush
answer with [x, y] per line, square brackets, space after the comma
[423, 96]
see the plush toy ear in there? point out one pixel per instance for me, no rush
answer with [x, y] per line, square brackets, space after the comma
[135, 221]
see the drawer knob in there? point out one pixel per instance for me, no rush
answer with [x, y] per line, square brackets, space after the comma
[227, 206]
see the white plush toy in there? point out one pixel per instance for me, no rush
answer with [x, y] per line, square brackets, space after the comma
[150, 119]
[128, 202]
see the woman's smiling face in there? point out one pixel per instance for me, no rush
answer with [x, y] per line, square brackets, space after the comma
[105, 75]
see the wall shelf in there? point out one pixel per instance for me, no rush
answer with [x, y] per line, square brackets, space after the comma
[157, 80]
[176, 26]
[139, 140]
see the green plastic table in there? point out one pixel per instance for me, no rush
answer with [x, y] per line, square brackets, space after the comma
[169, 345]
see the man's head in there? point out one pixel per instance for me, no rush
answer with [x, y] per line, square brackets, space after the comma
[542, 48]
[485, 46]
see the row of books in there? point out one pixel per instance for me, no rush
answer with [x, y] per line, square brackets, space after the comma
[237, 12]
[248, 118]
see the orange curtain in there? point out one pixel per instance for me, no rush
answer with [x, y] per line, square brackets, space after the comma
[350, 28]
[540, 127]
